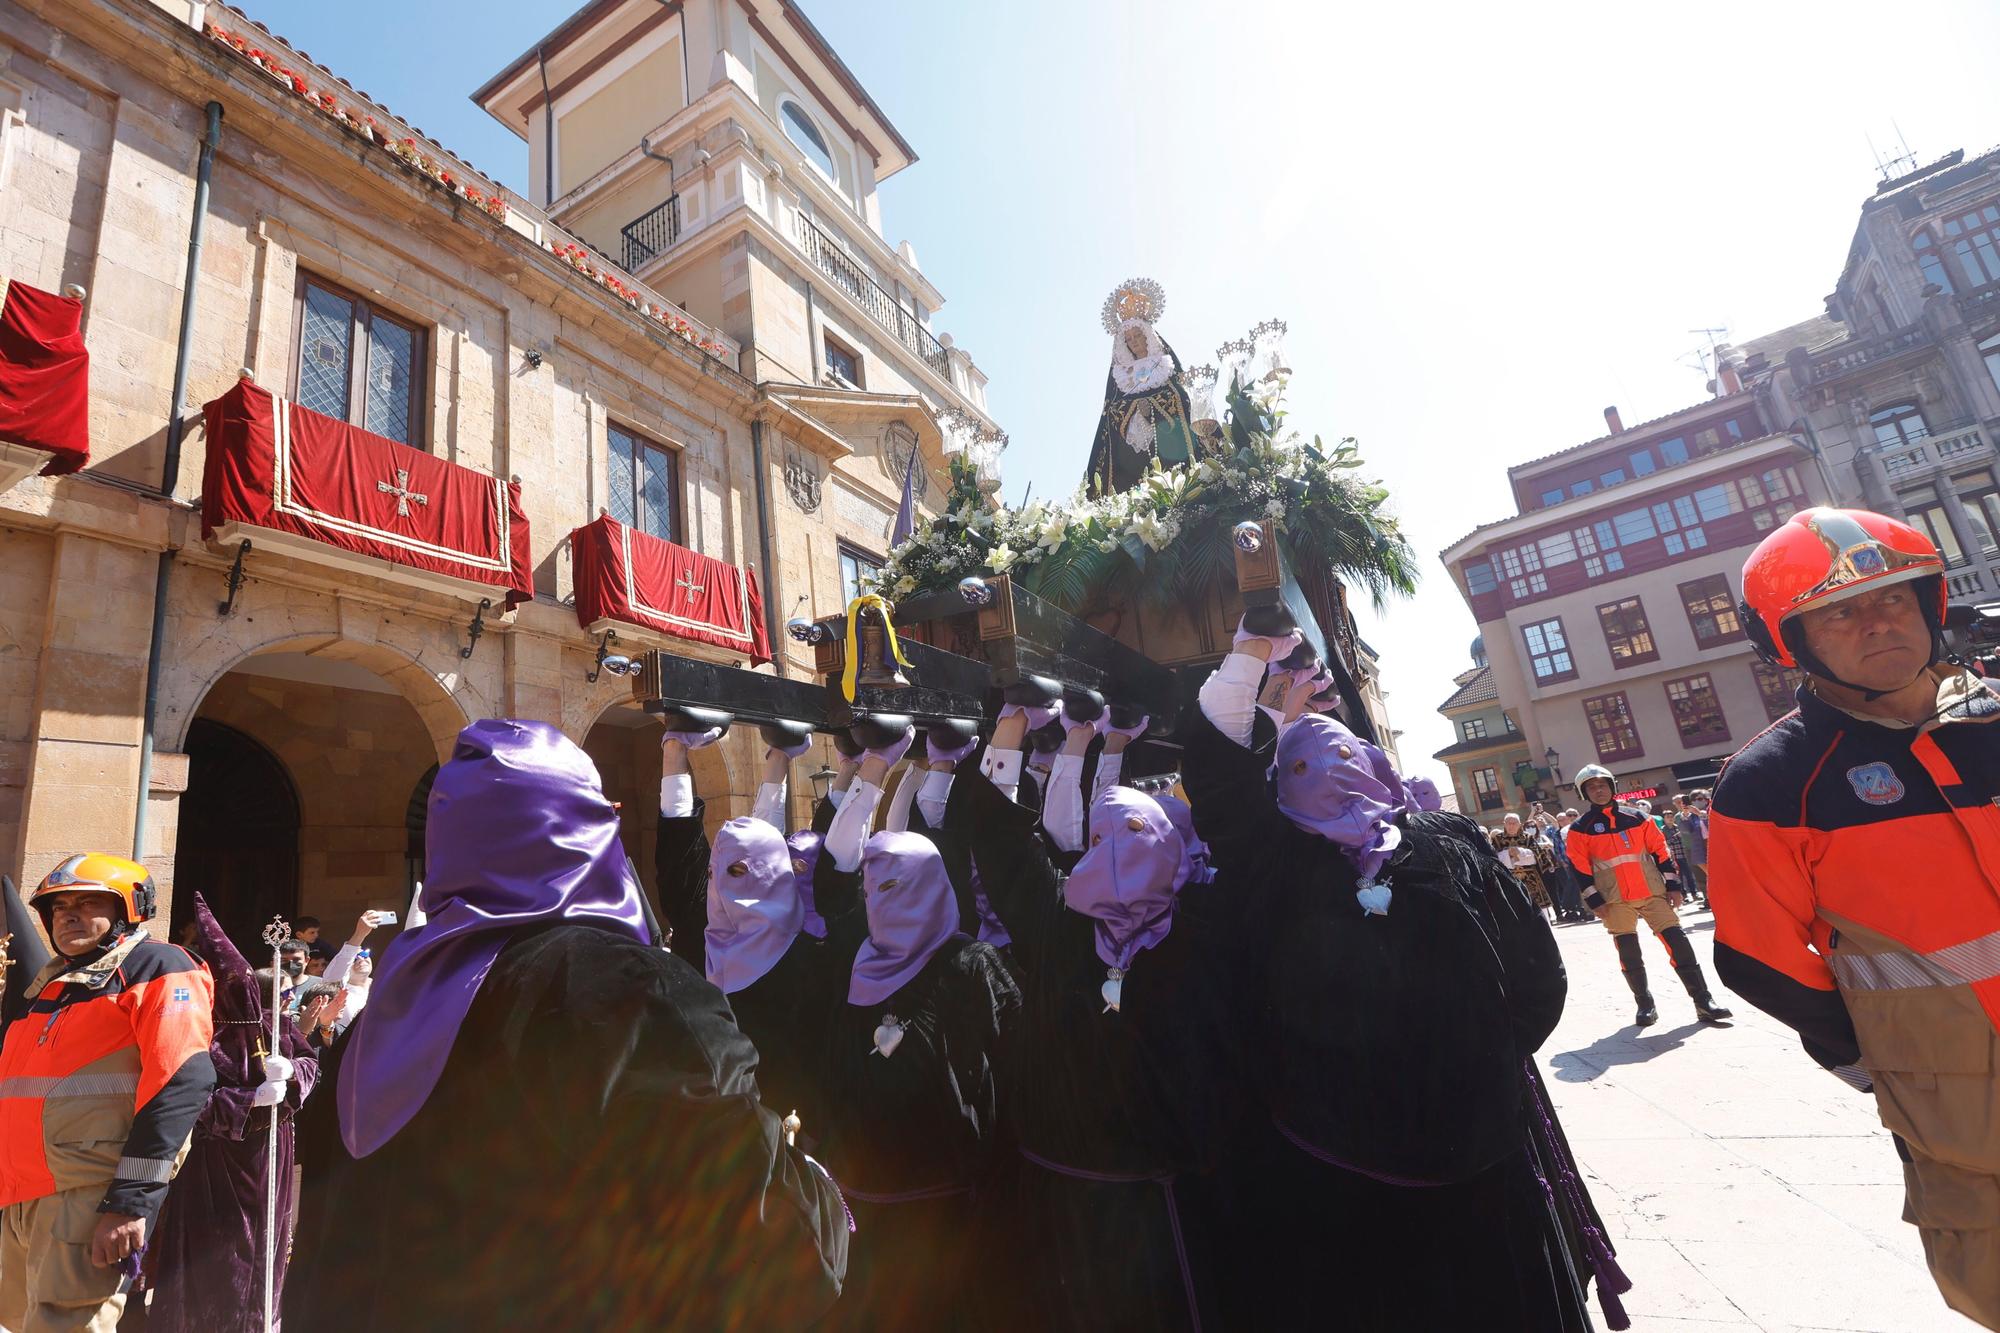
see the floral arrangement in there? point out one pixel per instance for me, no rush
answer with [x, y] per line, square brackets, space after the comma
[406, 150]
[1171, 534]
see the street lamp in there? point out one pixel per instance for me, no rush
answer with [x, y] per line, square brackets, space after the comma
[822, 782]
[1555, 764]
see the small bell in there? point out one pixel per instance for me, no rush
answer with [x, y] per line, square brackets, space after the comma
[1113, 989]
[888, 1036]
[877, 668]
[1373, 897]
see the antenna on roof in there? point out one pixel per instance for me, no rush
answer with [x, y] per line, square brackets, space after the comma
[1894, 164]
[1702, 359]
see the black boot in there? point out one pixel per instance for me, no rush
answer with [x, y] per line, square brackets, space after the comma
[1681, 949]
[1634, 965]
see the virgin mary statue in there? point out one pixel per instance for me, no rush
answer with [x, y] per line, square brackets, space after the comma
[1145, 397]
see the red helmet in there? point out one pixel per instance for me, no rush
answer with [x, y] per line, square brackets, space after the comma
[1822, 556]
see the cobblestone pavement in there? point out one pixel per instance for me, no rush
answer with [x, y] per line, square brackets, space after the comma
[1744, 1187]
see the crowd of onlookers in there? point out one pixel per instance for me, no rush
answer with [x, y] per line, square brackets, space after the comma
[1536, 850]
[322, 989]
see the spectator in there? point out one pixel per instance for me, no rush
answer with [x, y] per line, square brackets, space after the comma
[1668, 830]
[1527, 855]
[353, 966]
[1564, 886]
[306, 931]
[1691, 818]
[317, 1004]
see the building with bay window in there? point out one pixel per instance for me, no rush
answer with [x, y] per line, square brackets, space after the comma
[441, 451]
[1607, 606]
[1491, 771]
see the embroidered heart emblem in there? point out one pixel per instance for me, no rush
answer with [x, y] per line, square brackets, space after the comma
[1374, 899]
[1112, 989]
[888, 1036]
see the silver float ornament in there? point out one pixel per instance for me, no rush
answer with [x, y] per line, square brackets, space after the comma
[888, 1035]
[1248, 536]
[976, 591]
[802, 629]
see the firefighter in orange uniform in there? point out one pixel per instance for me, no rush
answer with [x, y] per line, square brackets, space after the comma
[1620, 850]
[102, 1075]
[1854, 865]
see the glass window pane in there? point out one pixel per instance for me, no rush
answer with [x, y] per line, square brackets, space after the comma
[1642, 465]
[326, 343]
[622, 496]
[657, 499]
[801, 131]
[1634, 525]
[1552, 497]
[391, 364]
[1580, 488]
[1674, 450]
[1613, 477]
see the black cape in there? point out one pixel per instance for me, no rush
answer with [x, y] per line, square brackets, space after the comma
[1394, 1160]
[594, 1156]
[1118, 1114]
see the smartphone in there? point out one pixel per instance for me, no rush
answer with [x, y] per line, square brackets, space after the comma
[386, 917]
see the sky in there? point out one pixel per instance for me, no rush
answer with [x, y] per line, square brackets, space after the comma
[1483, 223]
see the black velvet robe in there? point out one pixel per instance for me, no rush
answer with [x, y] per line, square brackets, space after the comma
[787, 1012]
[1394, 1175]
[1116, 1114]
[594, 1156]
[915, 1139]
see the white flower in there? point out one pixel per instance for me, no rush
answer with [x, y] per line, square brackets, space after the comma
[1000, 557]
[1054, 529]
[1147, 529]
[948, 561]
[1274, 507]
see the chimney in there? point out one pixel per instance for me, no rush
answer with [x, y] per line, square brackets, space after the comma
[1732, 379]
[1612, 420]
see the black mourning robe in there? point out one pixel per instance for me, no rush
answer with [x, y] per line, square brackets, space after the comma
[1116, 1114]
[594, 1156]
[1395, 1174]
[787, 1012]
[915, 1138]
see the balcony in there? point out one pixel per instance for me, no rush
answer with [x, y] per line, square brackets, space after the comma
[1967, 583]
[847, 272]
[1852, 357]
[1966, 444]
[649, 235]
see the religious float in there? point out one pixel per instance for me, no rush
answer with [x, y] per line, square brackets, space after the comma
[1122, 596]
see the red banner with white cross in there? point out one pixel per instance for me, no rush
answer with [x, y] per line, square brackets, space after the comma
[641, 580]
[273, 464]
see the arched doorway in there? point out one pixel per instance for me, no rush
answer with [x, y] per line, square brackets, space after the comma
[238, 844]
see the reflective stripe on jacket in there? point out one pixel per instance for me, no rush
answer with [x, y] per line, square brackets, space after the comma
[103, 1074]
[1620, 851]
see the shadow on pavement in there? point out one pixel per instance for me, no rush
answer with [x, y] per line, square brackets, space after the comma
[1624, 1047]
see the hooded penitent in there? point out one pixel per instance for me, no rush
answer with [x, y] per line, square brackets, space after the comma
[1129, 875]
[520, 834]
[911, 913]
[754, 912]
[805, 847]
[1422, 794]
[1333, 783]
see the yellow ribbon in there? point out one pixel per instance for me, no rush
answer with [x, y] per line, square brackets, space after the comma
[853, 663]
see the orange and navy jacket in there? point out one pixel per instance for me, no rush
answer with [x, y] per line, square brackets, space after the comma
[1891, 829]
[104, 1072]
[1617, 847]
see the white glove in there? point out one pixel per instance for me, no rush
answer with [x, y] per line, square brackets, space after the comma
[277, 1069]
[270, 1094]
[694, 740]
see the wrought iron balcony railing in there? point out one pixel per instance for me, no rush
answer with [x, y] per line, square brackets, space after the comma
[651, 233]
[827, 255]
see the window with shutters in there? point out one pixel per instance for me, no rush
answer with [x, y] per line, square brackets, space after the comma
[357, 363]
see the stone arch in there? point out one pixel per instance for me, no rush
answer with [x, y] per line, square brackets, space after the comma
[445, 704]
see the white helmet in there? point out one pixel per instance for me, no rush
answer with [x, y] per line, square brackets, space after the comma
[1592, 772]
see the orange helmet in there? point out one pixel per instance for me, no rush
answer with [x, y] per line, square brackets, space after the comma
[96, 872]
[1822, 556]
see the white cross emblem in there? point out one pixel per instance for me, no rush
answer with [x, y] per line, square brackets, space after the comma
[401, 490]
[687, 584]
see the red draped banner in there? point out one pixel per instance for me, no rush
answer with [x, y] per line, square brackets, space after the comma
[274, 464]
[641, 580]
[45, 376]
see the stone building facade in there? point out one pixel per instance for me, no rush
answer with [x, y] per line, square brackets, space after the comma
[287, 743]
[1491, 771]
[1897, 386]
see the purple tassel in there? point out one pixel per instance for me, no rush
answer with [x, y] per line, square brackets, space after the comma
[1611, 1279]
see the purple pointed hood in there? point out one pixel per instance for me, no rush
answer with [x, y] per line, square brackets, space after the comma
[519, 834]
[805, 847]
[1130, 875]
[754, 912]
[1182, 815]
[1333, 783]
[1422, 794]
[911, 913]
